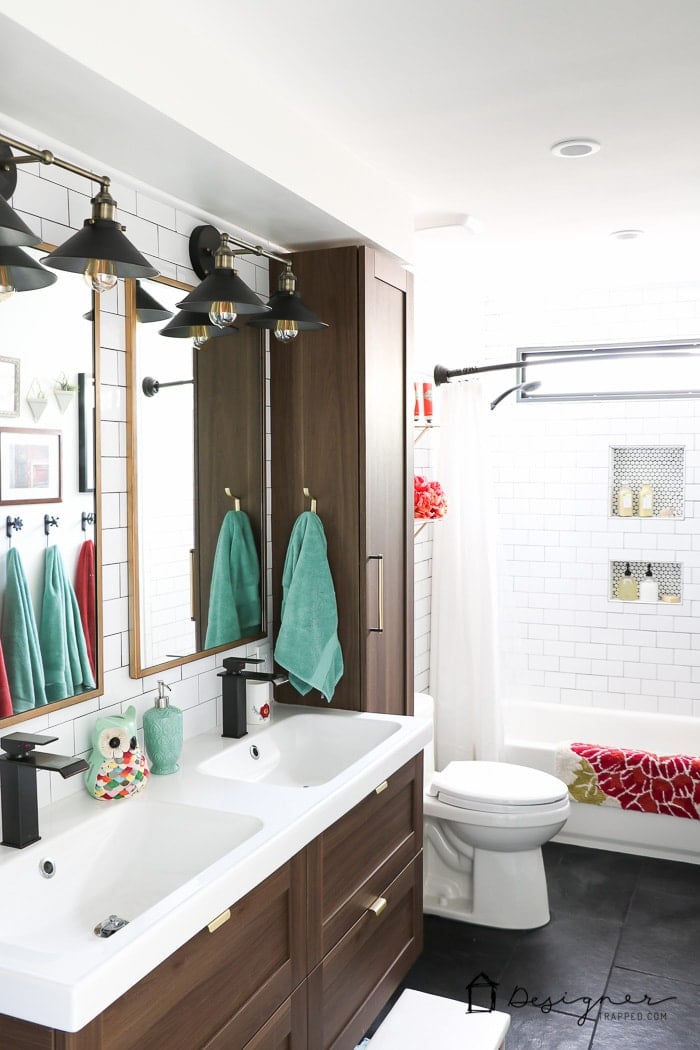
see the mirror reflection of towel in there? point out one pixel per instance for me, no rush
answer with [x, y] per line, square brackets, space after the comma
[64, 654]
[307, 644]
[86, 594]
[20, 640]
[5, 698]
[234, 597]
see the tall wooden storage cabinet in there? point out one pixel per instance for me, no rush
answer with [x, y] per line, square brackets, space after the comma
[340, 428]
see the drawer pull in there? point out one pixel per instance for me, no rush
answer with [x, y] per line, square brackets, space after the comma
[379, 558]
[379, 905]
[381, 787]
[219, 921]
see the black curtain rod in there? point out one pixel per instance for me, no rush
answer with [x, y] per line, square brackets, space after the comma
[442, 375]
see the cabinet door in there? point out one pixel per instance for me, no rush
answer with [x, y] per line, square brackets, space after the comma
[385, 482]
[285, 1030]
[351, 863]
[235, 977]
[352, 984]
[315, 444]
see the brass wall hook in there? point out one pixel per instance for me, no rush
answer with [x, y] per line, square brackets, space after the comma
[308, 496]
[236, 501]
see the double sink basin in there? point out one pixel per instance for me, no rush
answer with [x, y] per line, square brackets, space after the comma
[169, 860]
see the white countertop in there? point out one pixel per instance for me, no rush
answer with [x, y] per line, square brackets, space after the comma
[65, 989]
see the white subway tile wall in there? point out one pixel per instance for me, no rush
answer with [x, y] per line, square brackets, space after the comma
[564, 641]
[51, 201]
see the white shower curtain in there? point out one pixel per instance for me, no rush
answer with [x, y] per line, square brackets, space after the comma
[463, 664]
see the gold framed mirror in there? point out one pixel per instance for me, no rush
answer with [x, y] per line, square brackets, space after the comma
[50, 485]
[196, 485]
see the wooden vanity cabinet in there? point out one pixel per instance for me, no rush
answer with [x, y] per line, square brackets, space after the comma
[340, 428]
[306, 960]
[365, 917]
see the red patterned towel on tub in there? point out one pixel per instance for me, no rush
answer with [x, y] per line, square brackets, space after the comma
[631, 779]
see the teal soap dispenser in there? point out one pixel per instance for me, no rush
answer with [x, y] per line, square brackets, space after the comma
[162, 733]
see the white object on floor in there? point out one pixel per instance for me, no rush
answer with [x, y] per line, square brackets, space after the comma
[420, 1021]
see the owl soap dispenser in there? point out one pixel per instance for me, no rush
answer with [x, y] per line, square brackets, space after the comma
[162, 733]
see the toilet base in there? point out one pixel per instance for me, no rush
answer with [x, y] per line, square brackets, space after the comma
[503, 890]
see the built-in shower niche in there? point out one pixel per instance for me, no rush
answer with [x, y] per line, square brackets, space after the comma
[668, 575]
[661, 466]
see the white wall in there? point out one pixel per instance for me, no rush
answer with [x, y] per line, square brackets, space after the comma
[562, 640]
[53, 202]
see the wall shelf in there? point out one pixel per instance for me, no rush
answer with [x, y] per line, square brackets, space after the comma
[668, 575]
[662, 466]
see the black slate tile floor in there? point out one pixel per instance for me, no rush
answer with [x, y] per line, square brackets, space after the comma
[622, 948]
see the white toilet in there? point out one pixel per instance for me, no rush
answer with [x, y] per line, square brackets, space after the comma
[484, 825]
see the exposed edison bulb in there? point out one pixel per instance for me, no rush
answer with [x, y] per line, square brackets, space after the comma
[285, 331]
[100, 275]
[7, 289]
[199, 336]
[222, 313]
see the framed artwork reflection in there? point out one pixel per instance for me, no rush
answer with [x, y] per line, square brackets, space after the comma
[30, 465]
[9, 386]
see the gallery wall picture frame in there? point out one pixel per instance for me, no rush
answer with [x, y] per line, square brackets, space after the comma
[86, 432]
[9, 386]
[30, 465]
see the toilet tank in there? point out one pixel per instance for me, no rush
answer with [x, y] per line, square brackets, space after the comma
[424, 707]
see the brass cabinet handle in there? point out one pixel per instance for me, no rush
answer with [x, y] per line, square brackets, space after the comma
[379, 905]
[193, 614]
[219, 920]
[381, 787]
[379, 558]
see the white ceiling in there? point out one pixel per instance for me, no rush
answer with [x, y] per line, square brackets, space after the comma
[460, 101]
[455, 104]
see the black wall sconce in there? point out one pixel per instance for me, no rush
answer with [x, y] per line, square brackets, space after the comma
[99, 251]
[224, 295]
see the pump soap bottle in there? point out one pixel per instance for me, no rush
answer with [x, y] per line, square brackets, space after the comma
[627, 587]
[649, 588]
[162, 733]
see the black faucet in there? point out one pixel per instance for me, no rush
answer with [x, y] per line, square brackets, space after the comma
[233, 703]
[18, 766]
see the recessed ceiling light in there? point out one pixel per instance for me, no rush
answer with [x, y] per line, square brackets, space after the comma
[575, 148]
[626, 235]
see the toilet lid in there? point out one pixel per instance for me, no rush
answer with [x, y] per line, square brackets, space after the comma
[482, 785]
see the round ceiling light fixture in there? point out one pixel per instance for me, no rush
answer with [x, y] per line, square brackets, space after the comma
[627, 235]
[575, 148]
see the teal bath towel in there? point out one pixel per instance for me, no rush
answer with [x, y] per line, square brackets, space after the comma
[234, 597]
[307, 643]
[63, 650]
[20, 640]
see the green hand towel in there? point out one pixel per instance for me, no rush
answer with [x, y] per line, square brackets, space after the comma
[234, 596]
[63, 650]
[20, 640]
[307, 643]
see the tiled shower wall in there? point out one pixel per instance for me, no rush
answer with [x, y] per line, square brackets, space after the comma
[564, 640]
[53, 202]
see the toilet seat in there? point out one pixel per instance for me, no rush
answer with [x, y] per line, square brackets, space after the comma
[497, 787]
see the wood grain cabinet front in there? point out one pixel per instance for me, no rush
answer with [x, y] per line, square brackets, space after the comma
[365, 915]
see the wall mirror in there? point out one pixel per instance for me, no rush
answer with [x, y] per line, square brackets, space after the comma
[50, 570]
[196, 488]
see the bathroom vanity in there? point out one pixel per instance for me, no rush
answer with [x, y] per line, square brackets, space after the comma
[305, 958]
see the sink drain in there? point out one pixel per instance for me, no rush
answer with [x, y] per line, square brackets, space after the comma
[110, 926]
[47, 867]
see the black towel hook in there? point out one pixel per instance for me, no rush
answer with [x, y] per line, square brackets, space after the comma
[12, 525]
[49, 522]
[87, 519]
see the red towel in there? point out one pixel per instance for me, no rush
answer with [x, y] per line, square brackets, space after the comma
[631, 779]
[85, 593]
[5, 698]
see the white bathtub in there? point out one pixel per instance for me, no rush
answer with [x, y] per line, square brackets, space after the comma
[532, 732]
